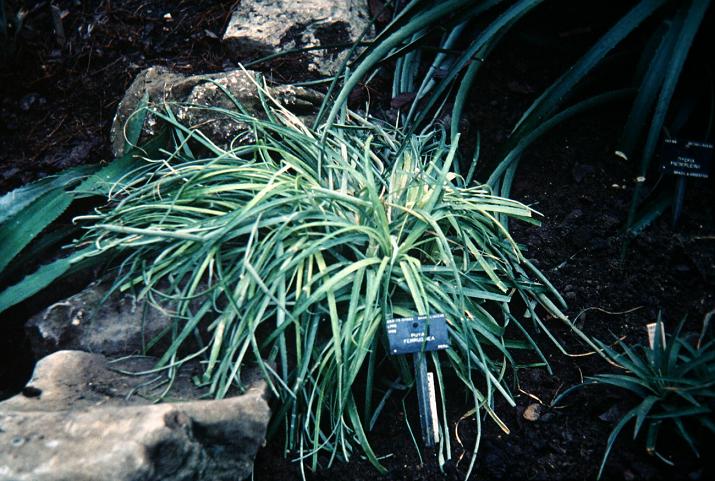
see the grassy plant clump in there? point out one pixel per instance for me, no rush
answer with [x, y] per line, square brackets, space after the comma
[672, 383]
[468, 32]
[288, 250]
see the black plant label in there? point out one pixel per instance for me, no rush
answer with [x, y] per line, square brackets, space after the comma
[417, 334]
[687, 158]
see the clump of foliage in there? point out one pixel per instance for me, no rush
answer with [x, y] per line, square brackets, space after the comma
[671, 382]
[28, 215]
[290, 247]
[438, 84]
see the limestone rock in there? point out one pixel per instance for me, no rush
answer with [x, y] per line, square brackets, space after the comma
[87, 321]
[188, 96]
[263, 27]
[80, 420]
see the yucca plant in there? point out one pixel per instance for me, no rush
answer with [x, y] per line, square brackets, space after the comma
[28, 214]
[470, 30]
[672, 383]
[288, 249]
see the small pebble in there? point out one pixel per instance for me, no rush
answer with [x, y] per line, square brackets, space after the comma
[532, 412]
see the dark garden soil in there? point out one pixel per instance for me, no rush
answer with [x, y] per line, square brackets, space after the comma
[56, 106]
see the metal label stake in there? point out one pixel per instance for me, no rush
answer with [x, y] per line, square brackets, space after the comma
[417, 336]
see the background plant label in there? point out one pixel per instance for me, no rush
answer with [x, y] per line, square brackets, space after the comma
[651, 328]
[412, 334]
[687, 158]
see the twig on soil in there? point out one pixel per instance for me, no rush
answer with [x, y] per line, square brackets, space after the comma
[591, 353]
[612, 313]
[456, 436]
[532, 396]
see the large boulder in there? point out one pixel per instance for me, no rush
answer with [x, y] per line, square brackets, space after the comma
[96, 320]
[259, 28]
[81, 420]
[188, 96]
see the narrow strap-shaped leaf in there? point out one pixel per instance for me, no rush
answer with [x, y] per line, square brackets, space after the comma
[360, 433]
[652, 436]
[614, 435]
[441, 58]
[675, 412]
[135, 124]
[649, 212]
[695, 15]
[643, 410]
[686, 436]
[632, 383]
[38, 280]
[461, 97]
[648, 91]
[20, 198]
[483, 42]
[524, 138]
[557, 92]
[384, 46]
[25, 225]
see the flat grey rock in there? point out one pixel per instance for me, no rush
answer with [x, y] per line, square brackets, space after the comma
[262, 27]
[81, 419]
[96, 321]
